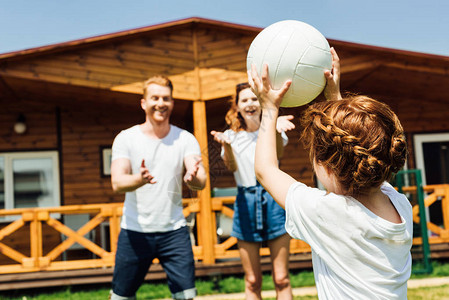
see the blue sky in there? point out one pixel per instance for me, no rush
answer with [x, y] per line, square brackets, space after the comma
[421, 26]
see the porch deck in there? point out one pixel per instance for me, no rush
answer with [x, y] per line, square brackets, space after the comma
[104, 275]
[39, 267]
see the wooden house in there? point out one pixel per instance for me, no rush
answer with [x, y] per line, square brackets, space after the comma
[62, 105]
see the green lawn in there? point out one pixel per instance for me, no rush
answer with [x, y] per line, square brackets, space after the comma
[229, 284]
[428, 293]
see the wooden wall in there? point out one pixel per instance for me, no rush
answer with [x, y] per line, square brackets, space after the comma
[84, 132]
[41, 135]
[41, 126]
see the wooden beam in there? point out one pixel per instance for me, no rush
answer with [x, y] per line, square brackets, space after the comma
[347, 84]
[207, 237]
[130, 59]
[7, 91]
[13, 254]
[226, 82]
[36, 239]
[360, 66]
[419, 68]
[140, 47]
[10, 228]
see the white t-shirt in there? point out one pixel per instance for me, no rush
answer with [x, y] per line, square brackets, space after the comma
[243, 145]
[355, 253]
[155, 207]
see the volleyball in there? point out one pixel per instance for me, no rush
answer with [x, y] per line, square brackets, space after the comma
[292, 50]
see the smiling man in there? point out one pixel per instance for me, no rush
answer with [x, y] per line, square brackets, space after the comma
[148, 162]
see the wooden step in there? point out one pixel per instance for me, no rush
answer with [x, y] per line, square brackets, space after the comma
[104, 275]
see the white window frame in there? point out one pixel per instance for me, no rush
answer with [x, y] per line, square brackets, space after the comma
[418, 140]
[8, 158]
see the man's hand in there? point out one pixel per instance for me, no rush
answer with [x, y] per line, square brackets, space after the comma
[195, 176]
[124, 180]
[145, 174]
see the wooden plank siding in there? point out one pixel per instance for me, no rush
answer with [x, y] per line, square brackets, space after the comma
[41, 130]
[122, 66]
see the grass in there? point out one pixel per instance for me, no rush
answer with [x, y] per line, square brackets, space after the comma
[426, 293]
[209, 286]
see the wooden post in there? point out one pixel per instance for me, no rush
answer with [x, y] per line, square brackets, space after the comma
[207, 229]
[445, 210]
[114, 228]
[36, 238]
[207, 220]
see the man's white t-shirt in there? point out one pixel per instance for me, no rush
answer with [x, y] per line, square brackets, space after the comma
[355, 253]
[155, 207]
[243, 145]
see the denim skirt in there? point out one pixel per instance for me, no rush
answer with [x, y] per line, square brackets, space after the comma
[257, 217]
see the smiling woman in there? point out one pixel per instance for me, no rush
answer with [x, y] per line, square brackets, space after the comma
[257, 217]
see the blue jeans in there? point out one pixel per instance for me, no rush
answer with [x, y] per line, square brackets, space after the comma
[257, 217]
[136, 251]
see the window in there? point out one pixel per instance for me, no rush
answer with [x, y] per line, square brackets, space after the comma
[29, 179]
[432, 157]
[105, 159]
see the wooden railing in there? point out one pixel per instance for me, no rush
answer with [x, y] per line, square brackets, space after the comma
[440, 232]
[35, 218]
[222, 250]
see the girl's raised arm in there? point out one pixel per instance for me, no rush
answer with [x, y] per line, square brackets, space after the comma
[275, 181]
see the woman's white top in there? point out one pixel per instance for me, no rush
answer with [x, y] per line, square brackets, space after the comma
[243, 145]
